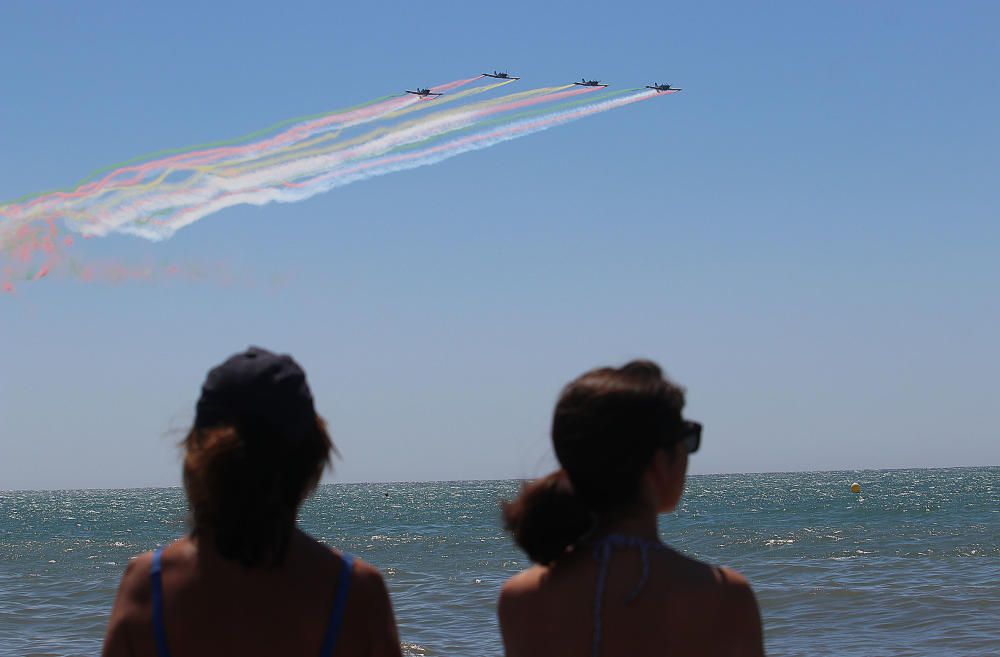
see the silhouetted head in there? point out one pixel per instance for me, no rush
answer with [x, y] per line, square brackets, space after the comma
[255, 452]
[608, 425]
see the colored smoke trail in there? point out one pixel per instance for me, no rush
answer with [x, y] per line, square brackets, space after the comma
[202, 157]
[448, 86]
[156, 195]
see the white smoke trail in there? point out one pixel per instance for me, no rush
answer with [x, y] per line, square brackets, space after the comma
[323, 173]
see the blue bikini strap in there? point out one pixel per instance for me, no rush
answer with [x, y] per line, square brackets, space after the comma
[159, 629]
[339, 605]
[602, 552]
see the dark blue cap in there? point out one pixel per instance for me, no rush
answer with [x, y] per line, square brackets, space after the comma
[256, 386]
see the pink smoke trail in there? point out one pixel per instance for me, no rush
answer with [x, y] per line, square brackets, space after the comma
[528, 102]
[209, 155]
[493, 136]
[125, 177]
[448, 86]
[488, 111]
[427, 155]
[433, 154]
[35, 249]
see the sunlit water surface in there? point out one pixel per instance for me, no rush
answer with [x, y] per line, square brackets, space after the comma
[911, 566]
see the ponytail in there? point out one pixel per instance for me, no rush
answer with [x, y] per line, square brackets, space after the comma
[547, 518]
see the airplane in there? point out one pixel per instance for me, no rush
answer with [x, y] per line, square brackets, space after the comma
[589, 83]
[423, 93]
[662, 87]
[500, 75]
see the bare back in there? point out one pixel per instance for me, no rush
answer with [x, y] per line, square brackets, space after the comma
[217, 607]
[684, 608]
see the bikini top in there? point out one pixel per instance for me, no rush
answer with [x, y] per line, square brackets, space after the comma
[332, 627]
[602, 552]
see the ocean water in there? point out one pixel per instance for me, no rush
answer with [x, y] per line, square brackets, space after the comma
[911, 566]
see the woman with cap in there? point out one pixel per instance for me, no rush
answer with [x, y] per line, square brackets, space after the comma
[246, 581]
[604, 583]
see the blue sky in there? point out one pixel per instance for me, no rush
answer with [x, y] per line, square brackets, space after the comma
[806, 237]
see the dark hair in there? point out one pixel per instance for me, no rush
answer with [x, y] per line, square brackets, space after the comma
[607, 425]
[245, 482]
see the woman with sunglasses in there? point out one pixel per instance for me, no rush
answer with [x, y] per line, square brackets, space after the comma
[604, 583]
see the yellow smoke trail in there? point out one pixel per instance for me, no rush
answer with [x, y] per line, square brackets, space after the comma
[227, 170]
[299, 150]
[438, 101]
[319, 146]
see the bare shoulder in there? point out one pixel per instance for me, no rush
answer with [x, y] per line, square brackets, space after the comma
[366, 581]
[519, 592]
[520, 599]
[367, 578]
[136, 584]
[735, 587]
[740, 613]
[369, 590]
[524, 583]
[130, 612]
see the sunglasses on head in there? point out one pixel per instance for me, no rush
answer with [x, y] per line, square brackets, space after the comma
[690, 435]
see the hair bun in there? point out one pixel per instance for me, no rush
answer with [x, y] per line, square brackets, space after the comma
[547, 517]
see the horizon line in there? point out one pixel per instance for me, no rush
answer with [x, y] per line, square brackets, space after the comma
[520, 479]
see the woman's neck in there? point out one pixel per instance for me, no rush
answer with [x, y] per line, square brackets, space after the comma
[640, 522]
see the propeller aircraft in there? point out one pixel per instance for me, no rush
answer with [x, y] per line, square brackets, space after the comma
[500, 75]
